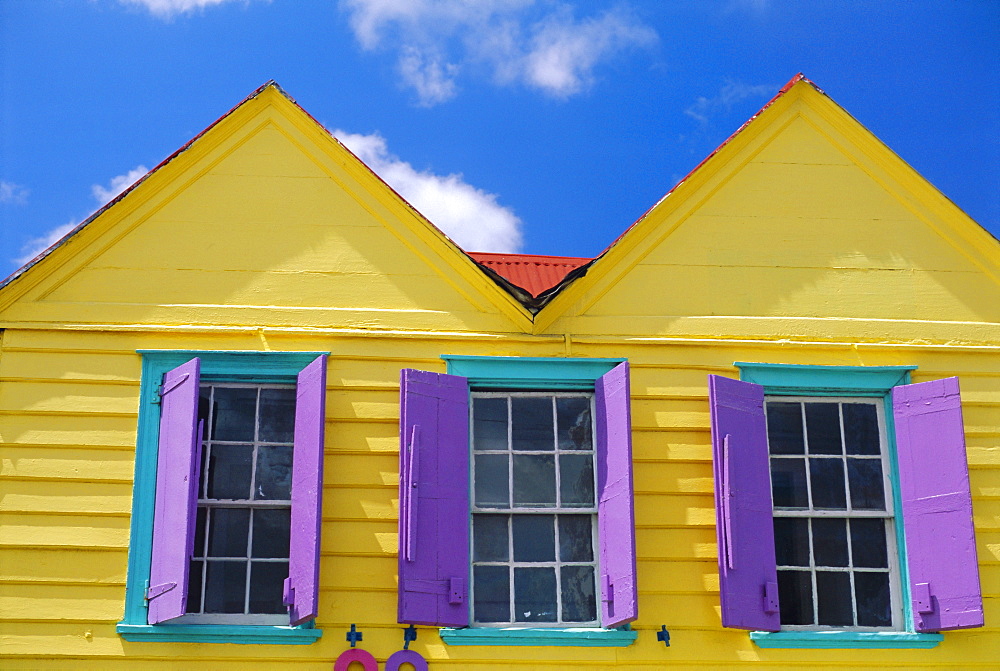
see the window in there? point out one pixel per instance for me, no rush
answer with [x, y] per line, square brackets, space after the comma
[516, 516]
[226, 509]
[843, 507]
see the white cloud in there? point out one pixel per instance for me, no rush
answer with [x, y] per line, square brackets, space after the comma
[469, 216]
[13, 194]
[166, 9]
[730, 94]
[36, 246]
[539, 44]
[117, 185]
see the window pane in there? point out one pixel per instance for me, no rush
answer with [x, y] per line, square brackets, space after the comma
[868, 543]
[795, 597]
[531, 423]
[233, 413]
[491, 586]
[861, 428]
[225, 587]
[535, 594]
[274, 473]
[576, 479]
[199, 532]
[230, 468]
[534, 480]
[784, 428]
[194, 587]
[267, 587]
[791, 541]
[578, 602]
[575, 431]
[823, 428]
[576, 538]
[492, 481]
[827, 480]
[872, 593]
[865, 477]
[829, 541]
[228, 532]
[489, 538]
[277, 415]
[534, 537]
[489, 425]
[833, 597]
[270, 532]
[788, 483]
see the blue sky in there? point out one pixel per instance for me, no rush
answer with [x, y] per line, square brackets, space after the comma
[539, 126]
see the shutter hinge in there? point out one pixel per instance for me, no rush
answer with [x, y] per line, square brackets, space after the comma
[922, 601]
[158, 590]
[288, 593]
[770, 597]
[607, 589]
[456, 590]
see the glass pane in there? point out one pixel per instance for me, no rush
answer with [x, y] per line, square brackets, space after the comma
[576, 541]
[791, 541]
[865, 477]
[534, 594]
[230, 468]
[823, 428]
[267, 586]
[489, 423]
[861, 428]
[491, 481]
[784, 428]
[199, 532]
[578, 602]
[531, 423]
[491, 589]
[534, 537]
[193, 604]
[576, 479]
[827, 480]
[277, 416]
[795, 597]
[489, 534]
[270, 532]
[872, 592]
[868, 543]
[228, 532]
[829, 541]
[573, 415]
[274, 473]
[226, 587]
[233, 414]
[788, 483]
[833, 598]
[534, 480]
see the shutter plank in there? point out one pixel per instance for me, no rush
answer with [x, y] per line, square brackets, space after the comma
[434, 499]
[615, 509]
[177, 470]
[744, 527]
[937, 506]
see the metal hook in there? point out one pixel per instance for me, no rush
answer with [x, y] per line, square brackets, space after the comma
[354, 635]
[663, 635]
[409, 634]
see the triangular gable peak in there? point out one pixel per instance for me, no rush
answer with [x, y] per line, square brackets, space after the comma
[263, 218]
[801, 225]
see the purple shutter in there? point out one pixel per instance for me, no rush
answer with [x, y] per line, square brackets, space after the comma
[302, 587]
[937, 506]
[433, 499]
[177, 466]
[615, 511]
[748, 578]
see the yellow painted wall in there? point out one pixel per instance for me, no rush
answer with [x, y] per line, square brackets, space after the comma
[69, 374]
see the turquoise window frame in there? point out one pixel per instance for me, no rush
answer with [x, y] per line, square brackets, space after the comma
[868, 381]
[221, 366]
[552, 374]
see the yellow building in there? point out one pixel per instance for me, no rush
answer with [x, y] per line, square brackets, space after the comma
[749, 430]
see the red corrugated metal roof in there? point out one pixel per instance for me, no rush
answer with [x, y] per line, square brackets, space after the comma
[531, 272]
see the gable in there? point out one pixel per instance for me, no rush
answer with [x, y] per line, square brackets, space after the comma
[263, 220]
[802, 225]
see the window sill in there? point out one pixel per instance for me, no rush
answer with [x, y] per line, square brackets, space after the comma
[844, 639]
[579, 637]
[219, 633]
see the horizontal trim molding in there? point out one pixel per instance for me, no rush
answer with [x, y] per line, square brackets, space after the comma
[576, 637]
[504, 372]
[796, 379]
[844, 639]
[219, 633]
